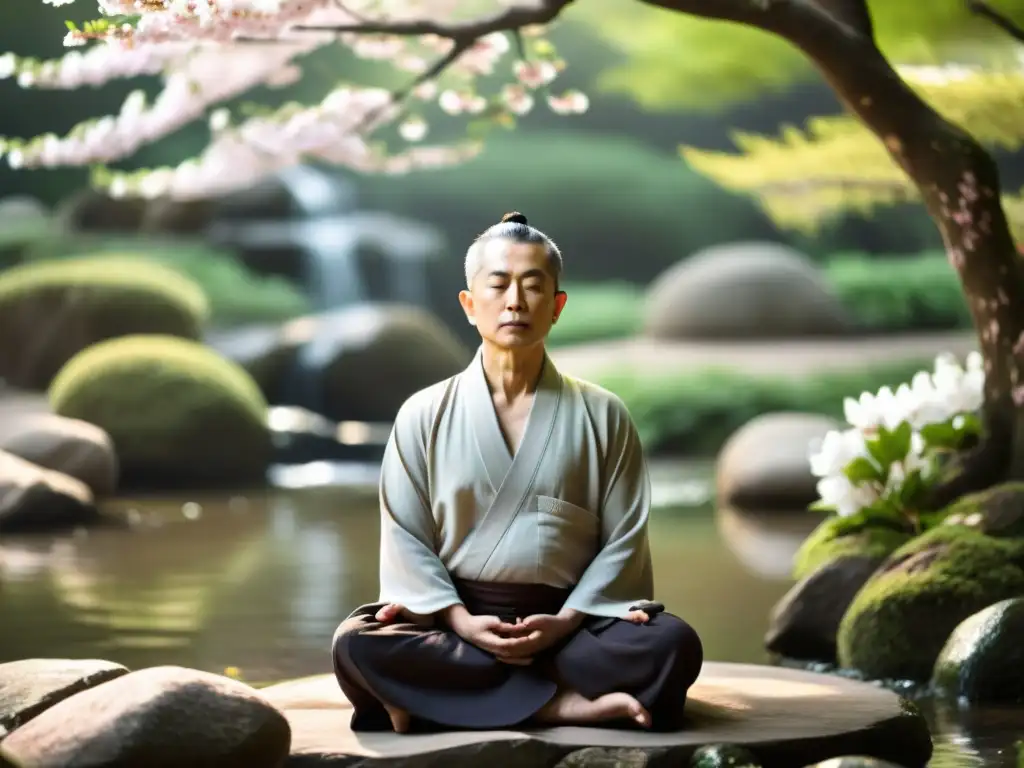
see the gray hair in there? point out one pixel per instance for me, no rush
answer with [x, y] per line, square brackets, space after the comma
[513, 228]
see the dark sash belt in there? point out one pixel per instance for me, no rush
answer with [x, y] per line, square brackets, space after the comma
[511, 601]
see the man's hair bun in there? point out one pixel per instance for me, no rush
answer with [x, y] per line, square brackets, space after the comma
[515, 217]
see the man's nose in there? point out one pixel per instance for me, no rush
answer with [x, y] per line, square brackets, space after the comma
[514, 297]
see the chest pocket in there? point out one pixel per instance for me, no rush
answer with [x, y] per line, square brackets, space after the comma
[568, 539]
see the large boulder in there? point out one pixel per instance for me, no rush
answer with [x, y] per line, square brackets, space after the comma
[177, 412]
[839, 537]
[29, 687]
[745, 290]
[162, 717]
[765, 463]
[362, 362]
[901, 618]
[983, 659]
[831, 566]
[36, 499]
[50, 310]
[72, 447]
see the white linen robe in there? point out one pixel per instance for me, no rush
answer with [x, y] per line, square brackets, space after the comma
[570, 509]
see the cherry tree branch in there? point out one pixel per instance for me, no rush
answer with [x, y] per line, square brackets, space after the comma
[984, 10]
[510, 18]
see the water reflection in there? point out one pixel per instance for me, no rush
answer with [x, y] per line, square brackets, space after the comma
[261, 583]
[765, 541]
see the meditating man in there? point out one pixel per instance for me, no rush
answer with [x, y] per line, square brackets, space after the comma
[515, 567]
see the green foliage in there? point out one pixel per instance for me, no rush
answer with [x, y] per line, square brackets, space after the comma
[618, 209]
[694, 414]
[176, 411]
[677, 61]
[597, 312]
[235, 294]
[920, 292]
[836, 165]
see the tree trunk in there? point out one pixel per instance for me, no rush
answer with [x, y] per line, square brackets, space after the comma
[959, 185]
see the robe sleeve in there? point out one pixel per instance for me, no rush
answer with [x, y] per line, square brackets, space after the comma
[411, 572]
[621, 574]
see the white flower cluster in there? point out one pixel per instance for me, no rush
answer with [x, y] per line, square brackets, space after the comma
[888, 452]
[210, 51]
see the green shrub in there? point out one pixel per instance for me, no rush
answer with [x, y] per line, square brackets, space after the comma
[236, 294]
[694, 414]
[598, 311]
[911, 293]
[49, 311]
[177, 412]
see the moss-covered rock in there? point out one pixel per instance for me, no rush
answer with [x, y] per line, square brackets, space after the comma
[724, 756]
[49, 311]
[178, 412]
[901, 618]
[839, 537]
[983, 659]
[996, 511]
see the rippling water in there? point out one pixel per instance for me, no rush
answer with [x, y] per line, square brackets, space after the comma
[260, 582]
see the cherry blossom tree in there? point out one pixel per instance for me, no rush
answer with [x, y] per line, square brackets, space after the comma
[211, 50]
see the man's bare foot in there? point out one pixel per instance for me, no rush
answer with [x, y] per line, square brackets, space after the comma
[399, 719]
[571, 707]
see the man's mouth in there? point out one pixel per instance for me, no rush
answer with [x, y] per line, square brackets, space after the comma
[516, 324]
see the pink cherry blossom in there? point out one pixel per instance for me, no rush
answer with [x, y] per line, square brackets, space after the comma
[208, 52]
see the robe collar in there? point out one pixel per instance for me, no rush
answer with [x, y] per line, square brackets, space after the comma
[494, 451]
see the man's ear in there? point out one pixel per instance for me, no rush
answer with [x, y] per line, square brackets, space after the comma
[560, 299]
[466, 300]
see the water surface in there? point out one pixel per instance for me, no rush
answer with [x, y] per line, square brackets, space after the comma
[260, 582]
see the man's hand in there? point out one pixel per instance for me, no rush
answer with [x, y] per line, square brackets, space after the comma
[489, 633]
[539, 632]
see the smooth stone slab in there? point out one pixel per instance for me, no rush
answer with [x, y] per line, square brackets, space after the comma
[787, 717]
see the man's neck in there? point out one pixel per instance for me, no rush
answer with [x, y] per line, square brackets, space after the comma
[512, 373]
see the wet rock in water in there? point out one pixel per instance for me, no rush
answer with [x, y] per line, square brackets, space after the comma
[723, 756]
[51, 310]
[983, 659]
[804, 623]
[31, 686]
[178, 413]
[765, 462]
[162, 717]
[70, 446]
[898, 622]
[744, 290]
[362, 362]
[996, 511]
[33, 498]
[839, 537]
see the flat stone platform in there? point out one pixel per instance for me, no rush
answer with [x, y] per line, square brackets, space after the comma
[788, 718]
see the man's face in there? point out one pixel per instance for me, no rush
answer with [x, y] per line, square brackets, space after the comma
[512, 298]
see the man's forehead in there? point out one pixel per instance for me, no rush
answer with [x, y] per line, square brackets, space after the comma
[506, 256]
